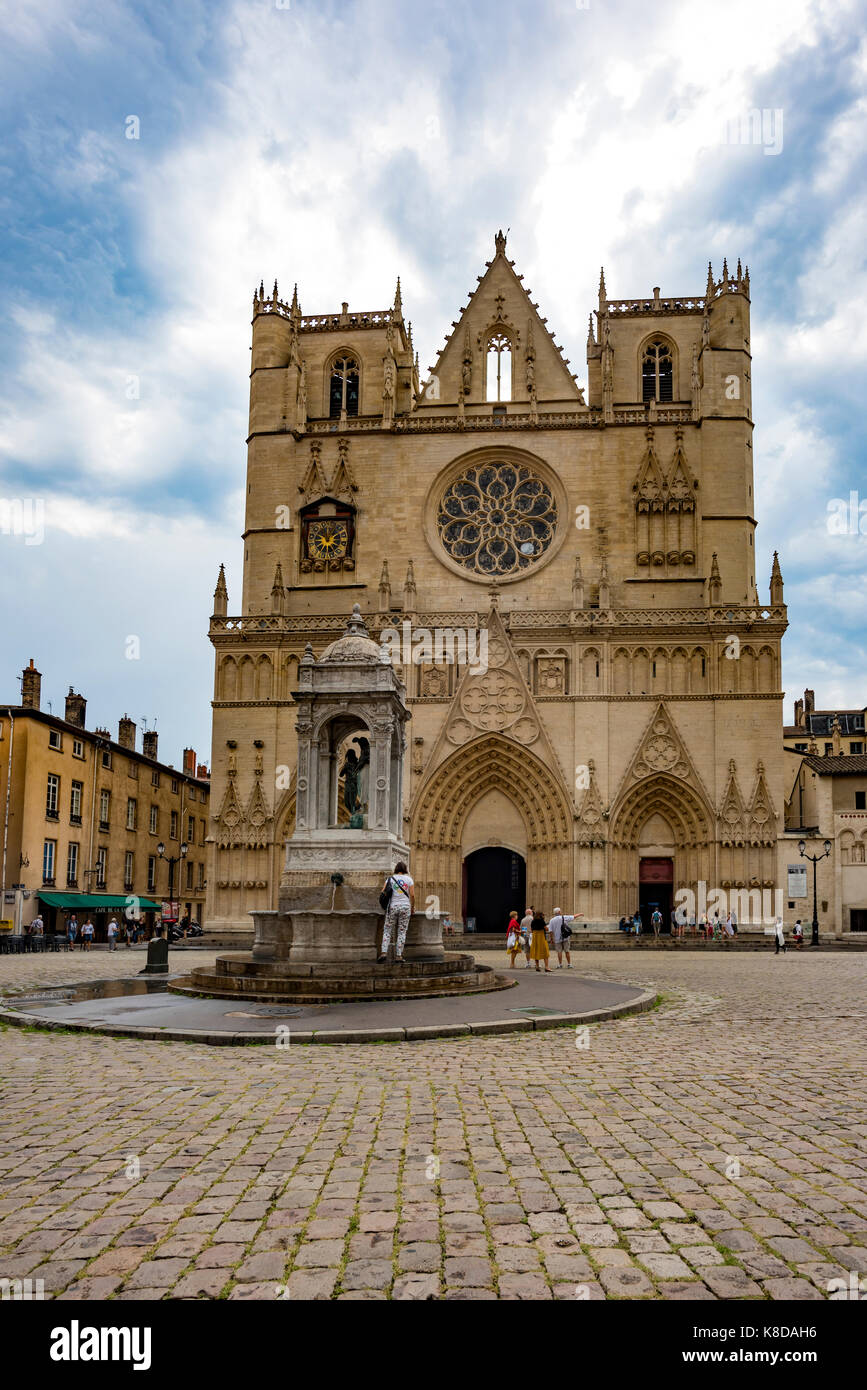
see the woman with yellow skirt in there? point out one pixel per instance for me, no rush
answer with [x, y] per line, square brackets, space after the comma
[539, 942]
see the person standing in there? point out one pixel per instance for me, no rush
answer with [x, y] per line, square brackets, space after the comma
[636, 924]
[539, 944]
[561, 935]
[798, 935]
[400, 908]
[87, 935]
[111, 933]
[527, 935]
[513, 937]
[71, 931]
[656, 922]
[779, 937]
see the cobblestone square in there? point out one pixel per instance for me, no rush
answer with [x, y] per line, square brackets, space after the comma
[713, 1148]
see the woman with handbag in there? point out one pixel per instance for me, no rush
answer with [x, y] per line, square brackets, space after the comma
[513, 937]
[398, 899]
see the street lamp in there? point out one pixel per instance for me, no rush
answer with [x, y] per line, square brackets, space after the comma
[172, 860]
[814, 859]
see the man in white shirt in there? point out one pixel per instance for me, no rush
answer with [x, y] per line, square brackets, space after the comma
[561, 936]
[400, 908]
[112, 932]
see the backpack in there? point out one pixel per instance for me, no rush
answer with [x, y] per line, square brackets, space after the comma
[385, 895]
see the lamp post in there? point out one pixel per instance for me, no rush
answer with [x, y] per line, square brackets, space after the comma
[172, 860]
[814, 860]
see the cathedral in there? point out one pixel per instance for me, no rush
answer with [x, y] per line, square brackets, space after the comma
[564, 571]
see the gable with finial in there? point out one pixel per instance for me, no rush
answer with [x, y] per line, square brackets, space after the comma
[732, 811]
[762, 817]
[230, 817]
[498, 307]
[661, 750]
[591, 813]
[493, 698]
[259, 818]
[649, 486]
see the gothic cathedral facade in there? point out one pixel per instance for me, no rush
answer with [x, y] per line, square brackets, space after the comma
[621, 737]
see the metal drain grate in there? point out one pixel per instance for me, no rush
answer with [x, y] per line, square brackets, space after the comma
[535, 1011]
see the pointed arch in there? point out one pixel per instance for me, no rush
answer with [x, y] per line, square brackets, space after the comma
[684, 808]
[446, 799]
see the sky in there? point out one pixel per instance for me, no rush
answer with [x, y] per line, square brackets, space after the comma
[159, 160]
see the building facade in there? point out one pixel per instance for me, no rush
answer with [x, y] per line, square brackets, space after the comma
[825, 732]
[566, 573]
[84, 816]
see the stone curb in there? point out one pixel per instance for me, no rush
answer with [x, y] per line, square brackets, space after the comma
[641, 1004]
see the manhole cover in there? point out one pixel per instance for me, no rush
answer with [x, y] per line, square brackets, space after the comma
[535, 1011]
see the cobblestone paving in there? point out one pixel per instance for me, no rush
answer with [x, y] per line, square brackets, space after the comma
[714, 1148]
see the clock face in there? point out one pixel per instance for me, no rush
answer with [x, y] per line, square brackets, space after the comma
[328, 539]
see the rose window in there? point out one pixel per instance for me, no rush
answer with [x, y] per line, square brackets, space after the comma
[497, 518]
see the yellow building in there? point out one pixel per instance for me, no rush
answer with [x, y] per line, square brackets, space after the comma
[593, 675]
[84, 816]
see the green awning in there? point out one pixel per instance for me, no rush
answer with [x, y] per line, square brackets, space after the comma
[94, 900]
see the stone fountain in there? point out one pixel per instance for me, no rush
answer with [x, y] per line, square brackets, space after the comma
[323, 939]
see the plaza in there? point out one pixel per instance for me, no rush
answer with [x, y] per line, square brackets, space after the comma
[714, 1147]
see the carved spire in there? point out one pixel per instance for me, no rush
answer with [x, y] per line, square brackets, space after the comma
[715, 581]
[710, 285]
[602, 291]
[384, 589]
[604, 588]
[591, 336]
[746, 280]
[398, 303]
[295, 307]
[776, 583]
[578, 585]
[278, 591]
[725, 278]
[410, 598]
[221, 595]
[274, 293]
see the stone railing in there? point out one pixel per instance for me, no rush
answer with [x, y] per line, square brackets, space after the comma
[323, 323]
[586, 419]
[675, 304]
[589, 619]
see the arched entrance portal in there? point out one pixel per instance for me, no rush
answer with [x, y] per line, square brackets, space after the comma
[495, 881]
[660, 841]
[518, 796]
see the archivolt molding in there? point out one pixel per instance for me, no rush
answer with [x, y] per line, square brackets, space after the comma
[446, 799]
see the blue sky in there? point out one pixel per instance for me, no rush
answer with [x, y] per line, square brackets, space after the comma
[338, 144]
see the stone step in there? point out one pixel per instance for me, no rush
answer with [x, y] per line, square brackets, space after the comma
[240, 964]
[384, 982]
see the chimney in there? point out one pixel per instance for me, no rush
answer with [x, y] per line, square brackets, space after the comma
[190, 762]
[809, 701]
[126, 732]
[76, 707]
[149, 744]
[202, 772]
[31, 686]
[799, 714]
